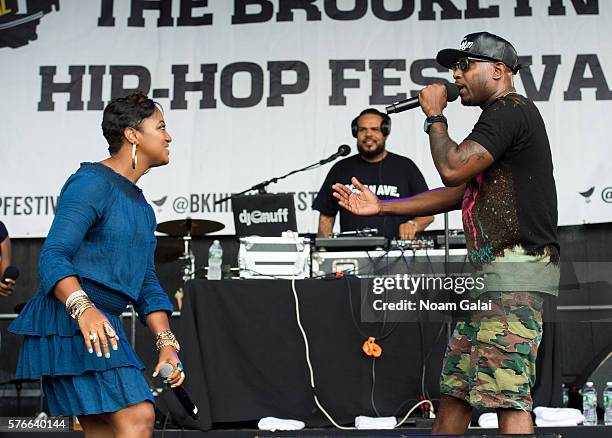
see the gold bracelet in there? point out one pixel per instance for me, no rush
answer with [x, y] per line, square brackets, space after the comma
[173, 344]
[74, 296]
[165, 334]
[75, 301]
[83, 309]
[78, 306]
[166, 338]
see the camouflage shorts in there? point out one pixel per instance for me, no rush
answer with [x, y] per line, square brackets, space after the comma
[490, 360]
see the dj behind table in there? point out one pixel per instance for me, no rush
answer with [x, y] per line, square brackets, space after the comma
[247, 357]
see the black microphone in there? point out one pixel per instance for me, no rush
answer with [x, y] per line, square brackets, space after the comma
[165, 370]
[10, 273]
[343, 151]
[452, 92]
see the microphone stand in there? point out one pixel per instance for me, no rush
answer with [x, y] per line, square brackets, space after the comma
[261, 187]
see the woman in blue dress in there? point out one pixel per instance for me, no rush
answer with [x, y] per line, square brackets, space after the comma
[98, 258]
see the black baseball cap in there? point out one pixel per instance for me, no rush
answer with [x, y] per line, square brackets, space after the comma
[481, 45]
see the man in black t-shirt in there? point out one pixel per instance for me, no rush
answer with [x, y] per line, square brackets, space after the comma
[501, 177]
[388, 175]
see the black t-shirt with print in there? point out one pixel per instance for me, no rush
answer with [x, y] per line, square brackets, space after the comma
[391, 178]
[513, 203]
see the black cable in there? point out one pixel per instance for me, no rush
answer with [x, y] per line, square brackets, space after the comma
[373, 262]
[167, 416]
[350, 296]
[424, 391]
[382, 335]
[373, 387]
[422, 350]
[430, 262]
[382, 329]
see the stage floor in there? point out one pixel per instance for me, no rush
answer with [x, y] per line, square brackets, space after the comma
[562, 432]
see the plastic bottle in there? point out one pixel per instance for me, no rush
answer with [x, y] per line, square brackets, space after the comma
[215, 259]
[589, 404]
[607, 399]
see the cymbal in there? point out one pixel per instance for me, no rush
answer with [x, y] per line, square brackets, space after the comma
[168, 250]
[181, 227]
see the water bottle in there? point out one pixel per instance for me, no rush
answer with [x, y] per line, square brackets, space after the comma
[607, 399]
[589, 404]
[215, 259]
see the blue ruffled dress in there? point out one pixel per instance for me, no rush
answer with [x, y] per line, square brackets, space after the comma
[103, 233]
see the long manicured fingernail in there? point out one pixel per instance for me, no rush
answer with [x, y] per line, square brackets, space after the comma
[107, 355]
[172, 386]
[165, 380]
[90, 350]
[115, 347]
[155, 373]
[99, 354]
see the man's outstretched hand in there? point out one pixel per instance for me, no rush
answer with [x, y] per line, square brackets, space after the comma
[361, 204]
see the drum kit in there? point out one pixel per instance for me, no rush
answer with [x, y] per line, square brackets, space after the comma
[180, 248]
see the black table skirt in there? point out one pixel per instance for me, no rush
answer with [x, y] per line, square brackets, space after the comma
[245, 358]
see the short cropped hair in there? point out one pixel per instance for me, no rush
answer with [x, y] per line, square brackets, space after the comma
[125, 112]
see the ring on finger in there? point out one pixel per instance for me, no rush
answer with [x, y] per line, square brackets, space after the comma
[93, 337]
[179, 366]
[109, 330]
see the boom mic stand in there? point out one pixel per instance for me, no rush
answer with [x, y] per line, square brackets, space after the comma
[261, 187]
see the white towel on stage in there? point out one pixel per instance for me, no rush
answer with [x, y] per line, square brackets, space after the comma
[273, 424]
[552, 415]
[558, 423]
[488, 420]
[363, 422]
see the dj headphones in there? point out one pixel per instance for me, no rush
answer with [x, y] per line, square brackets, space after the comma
[385, 125]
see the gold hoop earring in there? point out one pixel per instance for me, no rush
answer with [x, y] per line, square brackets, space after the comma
[134, 157]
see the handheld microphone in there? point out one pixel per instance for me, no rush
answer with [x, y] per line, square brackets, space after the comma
[10, 273]
[452, 92]
[165, 370]
[343, 151]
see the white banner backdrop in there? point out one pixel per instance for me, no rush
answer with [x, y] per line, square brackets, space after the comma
[255, 88]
